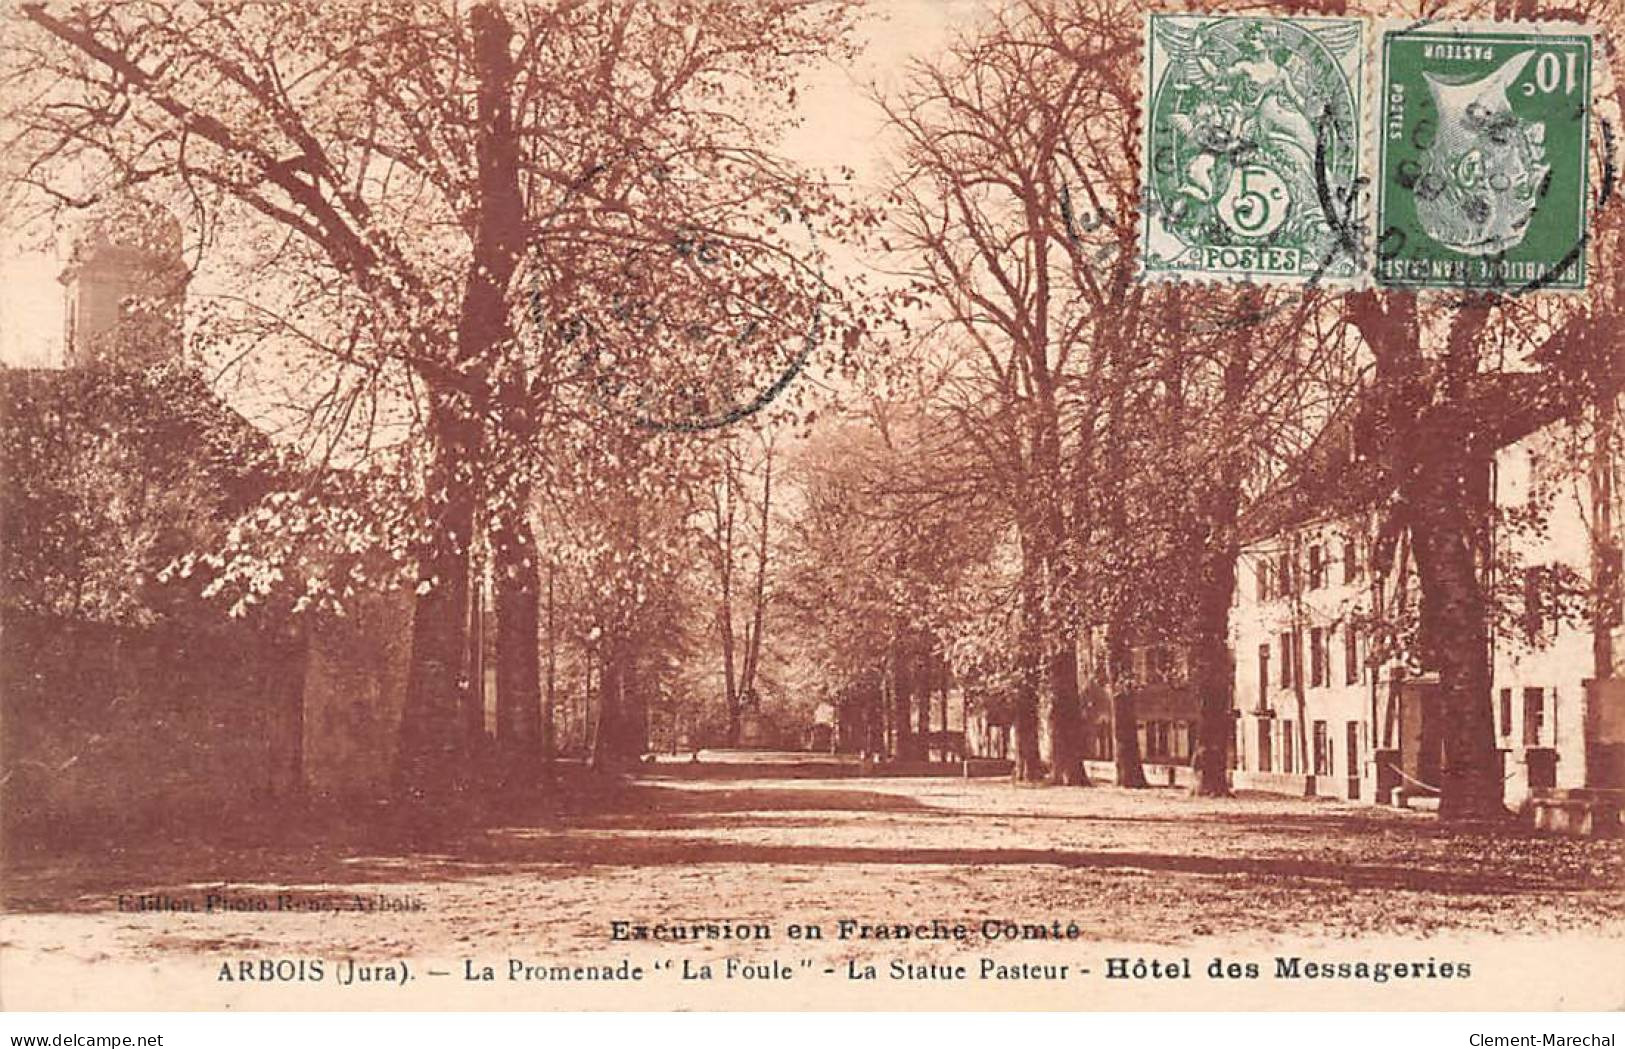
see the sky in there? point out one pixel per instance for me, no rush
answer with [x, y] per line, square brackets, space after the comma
[30, 304]
[841, 127]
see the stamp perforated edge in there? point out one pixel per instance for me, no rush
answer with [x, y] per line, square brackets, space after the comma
[1601, 77]
[1361, 278]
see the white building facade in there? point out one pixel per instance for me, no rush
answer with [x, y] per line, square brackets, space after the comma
[1323, 710]
[1303, 691]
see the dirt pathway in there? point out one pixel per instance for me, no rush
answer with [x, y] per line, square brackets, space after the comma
[735, 848]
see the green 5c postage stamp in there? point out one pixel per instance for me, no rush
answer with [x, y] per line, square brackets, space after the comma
[1482, 150]
[1251, 148]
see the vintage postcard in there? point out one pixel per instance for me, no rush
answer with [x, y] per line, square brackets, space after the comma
[810, 505]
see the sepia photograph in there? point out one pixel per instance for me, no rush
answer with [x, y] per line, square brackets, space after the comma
[812, 506]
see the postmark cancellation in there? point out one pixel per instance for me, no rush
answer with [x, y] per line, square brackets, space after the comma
[1482, 156]
[1329, 151]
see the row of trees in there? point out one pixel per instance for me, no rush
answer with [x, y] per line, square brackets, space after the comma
[1100, 432]
[1100, 438]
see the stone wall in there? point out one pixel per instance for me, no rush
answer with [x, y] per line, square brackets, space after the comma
[106, 728]
[355, 684]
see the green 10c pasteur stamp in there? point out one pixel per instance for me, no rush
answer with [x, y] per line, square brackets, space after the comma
[1251, 147]
[1482, 180]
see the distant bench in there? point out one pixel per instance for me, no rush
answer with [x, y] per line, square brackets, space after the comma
[1576, 812]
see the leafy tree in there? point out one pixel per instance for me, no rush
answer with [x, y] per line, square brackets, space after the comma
[881, 571]
[1454, 380]
[978, 211]
[424, 183]
[111, 475]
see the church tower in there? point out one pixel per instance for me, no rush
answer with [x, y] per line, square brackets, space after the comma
[125, 285]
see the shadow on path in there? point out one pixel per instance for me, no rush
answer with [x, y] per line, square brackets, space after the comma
[652, 824]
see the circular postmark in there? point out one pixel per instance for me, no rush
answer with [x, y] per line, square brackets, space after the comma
[1338, 203]
[693, 326]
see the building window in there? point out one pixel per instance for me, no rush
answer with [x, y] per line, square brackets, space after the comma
[1286, 747]
[1263, 574]
[1164, 661]
[1534, 609]
[1317, 657]
[1286, 660]
[1263, 675]
[1284, 583]
[1534, 716]
[1506, 712]
[1351, 655]
[1323, 750]
[1317, 568]
[1351, 561]
[1157, 739]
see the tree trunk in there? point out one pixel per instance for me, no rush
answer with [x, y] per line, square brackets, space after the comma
[1212, 669]
[550, 744]
[1299, 636]
[730, 688]
[519, 699]
[585, 719]
[758, 616]
[1453, 608]
[609, 741]
[922, 691]
[474, 626]
[434, 736]
[1439, 457]
[725, 622]
[623, 719]
[903, 738]
[1029, 766]
[633, 737]
[1066, 717]
[1126, 740]
[430, 759]
[1060, 636]
[872, 693]
[634, 712]
[1125, 726]
[1605, 549]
